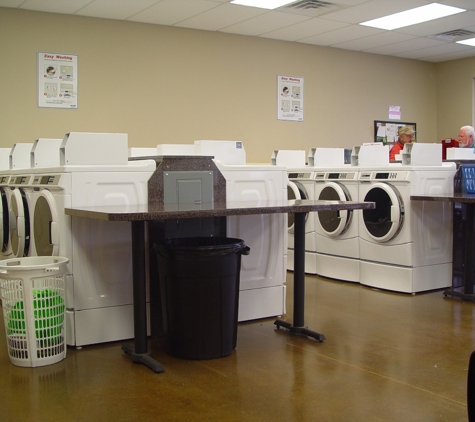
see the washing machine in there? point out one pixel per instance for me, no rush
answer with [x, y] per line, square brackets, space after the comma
[5, 249]
[263, 273]
[301, 185]
[99, 286]
[18, 198]
[336, 232]
[406, 246]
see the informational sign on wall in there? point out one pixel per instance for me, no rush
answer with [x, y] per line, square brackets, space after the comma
[290, 98]
[57, 80]
[394, 113]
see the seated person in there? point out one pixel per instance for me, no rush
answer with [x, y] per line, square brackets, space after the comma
[405, 135]
[466, 137]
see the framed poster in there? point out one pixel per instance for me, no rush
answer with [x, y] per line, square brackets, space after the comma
[290, 98]
[386, 131]
[57, 80]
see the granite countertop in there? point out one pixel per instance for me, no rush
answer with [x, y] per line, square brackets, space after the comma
[456, 197]
[219, 209]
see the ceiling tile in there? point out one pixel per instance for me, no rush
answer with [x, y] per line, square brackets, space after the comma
[264, 23]
[55, 6]
[170, 12]
[338, 36]
[221, 17]
[304, 29]
[400, 47]
[433, 51]
[374, 41]
[115, 9]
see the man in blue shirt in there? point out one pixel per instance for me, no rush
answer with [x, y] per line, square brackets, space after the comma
[466, 137]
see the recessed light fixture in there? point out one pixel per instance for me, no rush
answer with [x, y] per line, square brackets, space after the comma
[263, 4]
[470, 41]
[413, 16]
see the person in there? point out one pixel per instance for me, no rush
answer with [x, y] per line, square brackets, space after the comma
[405, 135]
[467, 137]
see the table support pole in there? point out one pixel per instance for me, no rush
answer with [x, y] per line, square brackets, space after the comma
[298, 327]
[139, 353]
[467, 293]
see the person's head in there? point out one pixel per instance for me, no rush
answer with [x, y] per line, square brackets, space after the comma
[466, 136]
[405, 134]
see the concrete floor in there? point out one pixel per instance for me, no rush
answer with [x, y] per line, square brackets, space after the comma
[387, 357]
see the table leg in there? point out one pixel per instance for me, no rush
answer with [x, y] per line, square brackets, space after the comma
[467, 293]
[298, 327]
[139, 353]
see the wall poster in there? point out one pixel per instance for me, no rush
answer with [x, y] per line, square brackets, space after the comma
[57, 80]
[290, 98]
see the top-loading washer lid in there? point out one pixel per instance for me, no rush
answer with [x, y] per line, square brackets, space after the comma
[19, 223]
[334, 223]
[45, 225]
[385, 221]
[4, 221]
[295, 191]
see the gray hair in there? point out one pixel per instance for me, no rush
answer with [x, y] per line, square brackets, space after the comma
[469, 131]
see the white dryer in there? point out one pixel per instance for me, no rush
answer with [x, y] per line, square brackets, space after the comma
[301, 185]
[263, 273]
[405, 245]
[336, 232]
[5, 247]
[99, 286]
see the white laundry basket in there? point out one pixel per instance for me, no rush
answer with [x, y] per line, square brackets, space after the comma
[33, 301]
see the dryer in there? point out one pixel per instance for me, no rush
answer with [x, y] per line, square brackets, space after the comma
[5, 247]
[301, 185]
[336, 232]
[406, 246]
[99, 298]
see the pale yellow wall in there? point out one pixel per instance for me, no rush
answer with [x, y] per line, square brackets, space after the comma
[454, 96]
[172, 85]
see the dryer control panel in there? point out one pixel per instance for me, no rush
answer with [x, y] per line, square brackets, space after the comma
[384, 175]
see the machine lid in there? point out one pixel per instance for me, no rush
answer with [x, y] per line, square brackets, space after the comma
[334, 223]
[385, 221]
[297, 191]
[19, 217]
[4, 221]
[46, 225]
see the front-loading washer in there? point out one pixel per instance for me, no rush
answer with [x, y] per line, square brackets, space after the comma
[262, 289]
[5, 191]
[301, 185]
[99, 288]
[406, 246]
[336, 232]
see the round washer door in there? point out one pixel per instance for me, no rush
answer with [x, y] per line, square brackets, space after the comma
[385, 221]
[4, 222]
[45, 219]
[295, 190]
[19, 223]
[334, 223]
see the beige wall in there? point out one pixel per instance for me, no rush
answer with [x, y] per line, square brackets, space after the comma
[454, 96]
[172, 85]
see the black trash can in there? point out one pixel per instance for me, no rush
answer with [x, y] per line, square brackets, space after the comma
[199, 285]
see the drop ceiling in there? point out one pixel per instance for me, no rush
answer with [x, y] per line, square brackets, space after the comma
[324, 23]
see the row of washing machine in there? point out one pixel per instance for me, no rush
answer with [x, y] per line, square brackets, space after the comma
[401, 245]
[87, 169]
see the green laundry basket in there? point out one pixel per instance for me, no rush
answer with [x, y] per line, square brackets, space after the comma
[33, 300]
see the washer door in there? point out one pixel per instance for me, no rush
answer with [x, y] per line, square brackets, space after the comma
[19, 223]
[45, 219]
[4, 222]
[295, 190]
[385, 221]
[334, 223]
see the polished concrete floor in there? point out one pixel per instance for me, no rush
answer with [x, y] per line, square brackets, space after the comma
[387, 357]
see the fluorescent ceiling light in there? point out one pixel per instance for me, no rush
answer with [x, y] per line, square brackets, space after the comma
[411, 17]
[263, 4]
[470, 41]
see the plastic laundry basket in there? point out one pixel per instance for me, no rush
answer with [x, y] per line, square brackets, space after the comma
[33, 301]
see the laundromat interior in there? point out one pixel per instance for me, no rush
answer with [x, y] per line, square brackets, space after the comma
[393, 350]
